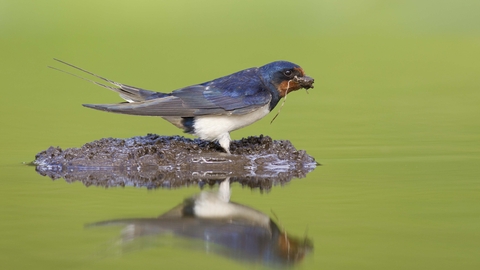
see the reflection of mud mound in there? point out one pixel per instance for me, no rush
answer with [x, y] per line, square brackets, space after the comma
[158, 161]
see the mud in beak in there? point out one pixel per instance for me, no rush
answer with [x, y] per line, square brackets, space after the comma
[304, 82]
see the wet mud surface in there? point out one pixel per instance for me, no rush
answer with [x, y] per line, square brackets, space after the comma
[155, 161]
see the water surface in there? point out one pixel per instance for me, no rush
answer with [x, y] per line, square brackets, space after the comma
[393, 119]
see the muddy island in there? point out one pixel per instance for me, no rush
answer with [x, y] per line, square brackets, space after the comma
[155, 161]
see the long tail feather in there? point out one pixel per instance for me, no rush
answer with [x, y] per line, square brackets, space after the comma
[88, 72]
[88, 80]
[128, 93]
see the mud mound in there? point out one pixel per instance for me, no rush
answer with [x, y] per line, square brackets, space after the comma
[154, 161]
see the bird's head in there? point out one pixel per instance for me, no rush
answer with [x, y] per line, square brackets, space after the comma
[285, 77]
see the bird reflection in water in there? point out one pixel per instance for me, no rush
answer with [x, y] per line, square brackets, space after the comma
[210, 221]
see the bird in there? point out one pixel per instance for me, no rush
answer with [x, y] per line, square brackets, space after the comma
[210, 110]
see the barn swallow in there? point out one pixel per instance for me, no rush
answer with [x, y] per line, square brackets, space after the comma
[211, 110]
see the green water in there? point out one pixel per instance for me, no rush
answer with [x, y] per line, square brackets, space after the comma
[394, 119]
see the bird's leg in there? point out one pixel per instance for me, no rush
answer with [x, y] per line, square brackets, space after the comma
[224, 141]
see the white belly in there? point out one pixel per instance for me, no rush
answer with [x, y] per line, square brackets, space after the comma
[214, 127]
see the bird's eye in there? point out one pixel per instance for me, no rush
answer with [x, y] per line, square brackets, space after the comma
[287, 73]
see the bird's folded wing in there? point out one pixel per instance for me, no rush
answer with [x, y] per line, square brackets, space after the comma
[191, 101]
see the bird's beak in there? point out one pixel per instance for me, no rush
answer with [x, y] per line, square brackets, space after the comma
[304, 81]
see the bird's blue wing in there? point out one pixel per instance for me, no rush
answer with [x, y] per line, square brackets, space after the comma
[243, 88]
[239, 93]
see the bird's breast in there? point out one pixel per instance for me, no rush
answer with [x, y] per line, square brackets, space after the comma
[211, 127]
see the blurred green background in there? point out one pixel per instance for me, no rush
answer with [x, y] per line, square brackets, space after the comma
[394, 118]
